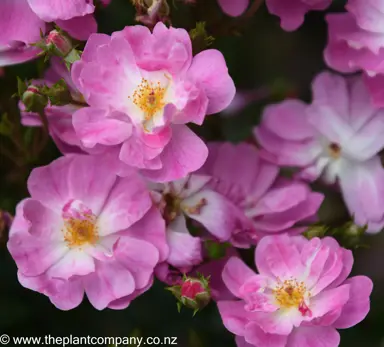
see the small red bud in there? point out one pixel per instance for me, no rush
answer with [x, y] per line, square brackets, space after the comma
[59, 43]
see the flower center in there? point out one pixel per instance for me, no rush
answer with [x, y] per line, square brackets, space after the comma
[80, 226]
[149, 97]
[334, 150]
[290, 294]
[171, 207]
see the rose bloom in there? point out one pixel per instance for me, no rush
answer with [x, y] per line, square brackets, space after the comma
[84, 230]
[269, 203]
[142, 88]
[300, 296]
[337, 138]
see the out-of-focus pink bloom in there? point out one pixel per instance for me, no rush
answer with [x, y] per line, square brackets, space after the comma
[337, 137]
[272, 204]
[85, 230]
[142, 89]
[356, 42]
[300, 296]
[292, 12]
[190, 197]
[234, 8]
[22, 20]
[59, 117]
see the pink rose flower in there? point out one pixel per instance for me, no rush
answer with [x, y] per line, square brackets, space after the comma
[337, 137]
[22, 20]
[356, 42]
[85, 230]
[142, 89]
[300, 296]
[271, 204]
[190, 197]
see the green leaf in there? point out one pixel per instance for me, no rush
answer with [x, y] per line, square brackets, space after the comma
[215, 249]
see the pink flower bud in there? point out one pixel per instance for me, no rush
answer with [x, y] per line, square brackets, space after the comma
[59, 43]
[33, 100]
[193, 293]
[191, 288]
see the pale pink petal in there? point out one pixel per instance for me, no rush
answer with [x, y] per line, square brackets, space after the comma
[18, 23]
[139, 257]
[17, 56]
[358, 305]
[65, 295]
[185, 153]
[329, 300]
[74, 263]
[52, 10]
[110, 281]
[74, 176]
[235, 274]
[288, 120]
[234, 316]
[332, 90]
[314, 337]
[210, 71]
[234, 8]
[79, 28]
[184, 249]
[278, 256]
[36, 241]
[127, 203]
[257, 337]
[151, 228]
[96, 126]
[218, 215]
[363, 190]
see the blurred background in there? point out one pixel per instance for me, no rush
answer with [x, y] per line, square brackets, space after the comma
[267, 65]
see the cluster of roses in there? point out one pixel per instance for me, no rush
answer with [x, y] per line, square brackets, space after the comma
[137, 194]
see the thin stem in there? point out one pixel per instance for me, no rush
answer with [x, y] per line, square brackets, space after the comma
[45, 137]
[254, 7]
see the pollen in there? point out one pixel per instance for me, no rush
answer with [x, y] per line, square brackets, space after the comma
[149, 97]
[290, 293]
[80, 232]
[334, 150]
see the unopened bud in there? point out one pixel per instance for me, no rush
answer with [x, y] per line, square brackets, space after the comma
[193, 293]
[58, 43]
[33, 100]
[315, 231]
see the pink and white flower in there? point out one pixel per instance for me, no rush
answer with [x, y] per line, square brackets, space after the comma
[142, 89]
[300, 296]
[191, 198]
[270, 203]
[356, 42]
[85, 230]
[22, 20]
[337, 137]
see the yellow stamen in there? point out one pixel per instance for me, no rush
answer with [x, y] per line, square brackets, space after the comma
[290, 293]
[149, 97]
[334, 150]
[79, 232]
